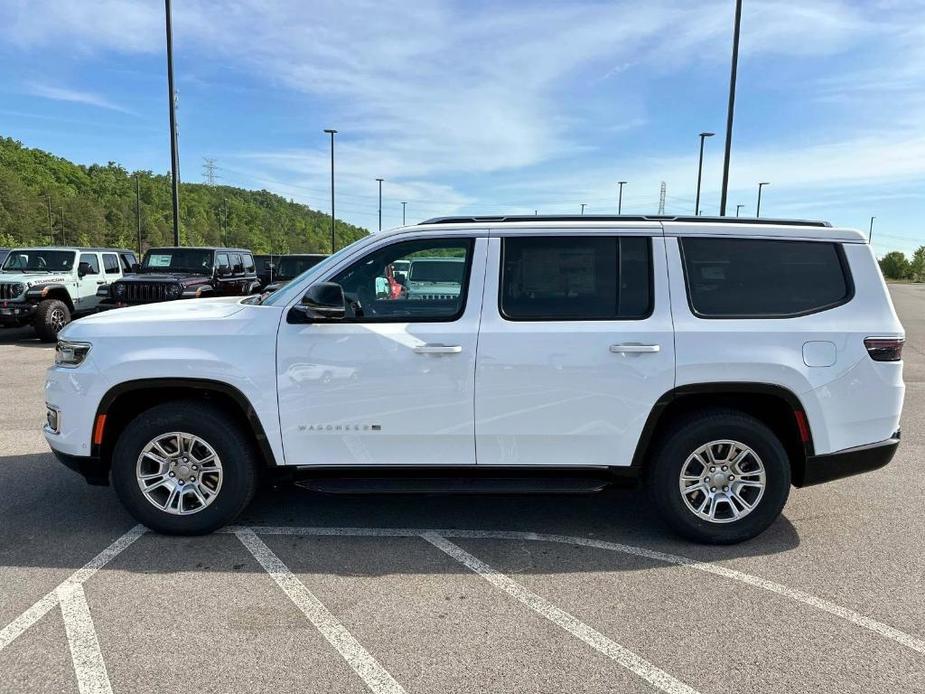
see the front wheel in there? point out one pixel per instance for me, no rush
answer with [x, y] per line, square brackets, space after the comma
[184, 468]
[721, 477]
[51, 316]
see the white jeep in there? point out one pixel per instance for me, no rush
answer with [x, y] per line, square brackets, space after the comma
[47, 287]
[718, 361]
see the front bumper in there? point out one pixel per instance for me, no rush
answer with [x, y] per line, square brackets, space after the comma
[817, 469]
[16, 312]
[89, 467]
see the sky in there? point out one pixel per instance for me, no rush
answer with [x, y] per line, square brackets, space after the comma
[480, 107]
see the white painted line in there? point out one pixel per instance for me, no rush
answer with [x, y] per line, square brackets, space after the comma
[89, 667]
[365, 665]
[885, 630]
[14, 629]
[613, 650]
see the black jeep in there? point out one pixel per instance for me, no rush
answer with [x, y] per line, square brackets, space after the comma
[185, 273]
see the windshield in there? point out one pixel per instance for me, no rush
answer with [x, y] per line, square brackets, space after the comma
[292, 266]
[178, 260]
[39, 261]
[449, 271]
[282, 296]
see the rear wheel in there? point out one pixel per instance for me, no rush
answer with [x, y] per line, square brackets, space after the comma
[184, 468]
[721, 477]
[50, 316]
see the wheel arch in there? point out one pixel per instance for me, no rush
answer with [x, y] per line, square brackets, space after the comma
[775, 405]
[43, 292]
[123, 402]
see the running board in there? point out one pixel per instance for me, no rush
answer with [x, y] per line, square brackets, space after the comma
[455, 485]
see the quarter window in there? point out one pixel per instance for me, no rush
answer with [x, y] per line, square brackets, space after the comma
[559, 278]
[249, 263]
[763, 278]
[430, 286]
[93, 261]
[111, 263]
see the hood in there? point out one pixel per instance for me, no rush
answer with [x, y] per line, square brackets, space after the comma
[184, 279]
[31, 278]
[168, 317]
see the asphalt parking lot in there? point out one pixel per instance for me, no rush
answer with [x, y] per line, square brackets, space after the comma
[456, 594]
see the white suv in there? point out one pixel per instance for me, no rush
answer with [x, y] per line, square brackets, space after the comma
[718, 360]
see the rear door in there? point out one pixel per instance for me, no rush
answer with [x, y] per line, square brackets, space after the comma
[87, 285]
[575, 347]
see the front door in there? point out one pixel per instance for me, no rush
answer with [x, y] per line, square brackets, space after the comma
[391, 383]
[576, 346]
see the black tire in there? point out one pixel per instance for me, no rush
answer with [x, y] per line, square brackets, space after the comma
[689, 434]
[221, 431]
[50, 316]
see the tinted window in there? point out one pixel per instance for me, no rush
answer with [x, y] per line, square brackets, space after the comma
[236, 263]
[93, 261]
[249, 263]
[128, 259]
[111, 263]
[761, 278]
[576, 278]
[384, 293]
[221, 260]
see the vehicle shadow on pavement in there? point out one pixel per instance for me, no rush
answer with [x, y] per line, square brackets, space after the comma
[49, 517]
[21, 337]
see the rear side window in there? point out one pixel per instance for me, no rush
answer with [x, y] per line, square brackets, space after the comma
[249, 263]
[576, 278]
[763, 278]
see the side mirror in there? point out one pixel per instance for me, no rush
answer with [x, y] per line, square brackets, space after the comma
[84, 269]
[324, 301]
[136, 267]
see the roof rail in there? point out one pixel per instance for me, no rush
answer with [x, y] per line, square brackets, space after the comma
[501, 219]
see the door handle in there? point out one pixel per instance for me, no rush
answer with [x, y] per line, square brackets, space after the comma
[634, 349]
[101, 282]
[438, 349]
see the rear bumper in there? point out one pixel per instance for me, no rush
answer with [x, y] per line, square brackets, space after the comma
[89, 467]
[817, 469]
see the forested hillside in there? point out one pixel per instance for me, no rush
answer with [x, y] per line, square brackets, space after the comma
[45, 199]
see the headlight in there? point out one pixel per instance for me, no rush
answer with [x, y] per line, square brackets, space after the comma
[118, 289]
[173, 291]
[18, 288]
[71, 354]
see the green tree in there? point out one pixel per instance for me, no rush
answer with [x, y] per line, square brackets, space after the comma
[895, 266]
[917, 265]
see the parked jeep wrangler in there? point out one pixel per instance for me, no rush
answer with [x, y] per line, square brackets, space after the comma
[48, 287]
[185, 273]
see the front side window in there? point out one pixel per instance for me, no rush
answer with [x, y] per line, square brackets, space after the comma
[111, 263]
[222, 261]
[39, 261]
[435, 292]
[558, 278]
[92, 261]
[763, 278]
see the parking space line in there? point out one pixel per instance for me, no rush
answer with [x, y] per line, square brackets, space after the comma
[856, 618]
[363, 663]
[89, 667]
[619, 654]
[14, 629]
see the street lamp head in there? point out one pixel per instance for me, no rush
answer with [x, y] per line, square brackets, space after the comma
[707, 134]
[330, 131]
[621, 183]
[764, 183]
[380, 180]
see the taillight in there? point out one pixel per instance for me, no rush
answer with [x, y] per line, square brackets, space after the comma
[885, 348]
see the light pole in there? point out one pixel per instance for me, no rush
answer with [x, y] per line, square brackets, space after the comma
[730, 109]
[332, 133]
[403, 213]
[138, 209]
[583, 207]
[620, 198]
[758, 206]
[703, 136]
[870, 236]
[738, 207]
[380, 180]
[174, 156]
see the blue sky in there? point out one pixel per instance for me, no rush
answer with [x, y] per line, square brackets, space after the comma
[485, 107]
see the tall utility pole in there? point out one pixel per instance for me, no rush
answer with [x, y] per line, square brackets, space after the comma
[738, 207]
[730, 110]
[174, 156]
[51, 231]
[403, 213]
[870, 236]
[703, 136]
[138, 210]
[225, 222]
[380, 202]
[661, 198]
[758, 206]
[583, 207]
[332, 133]
[620, 198]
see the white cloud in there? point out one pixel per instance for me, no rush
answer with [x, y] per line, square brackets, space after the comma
[74, 96]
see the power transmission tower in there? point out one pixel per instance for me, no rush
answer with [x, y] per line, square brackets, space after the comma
[208, 171]
[661, 198]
